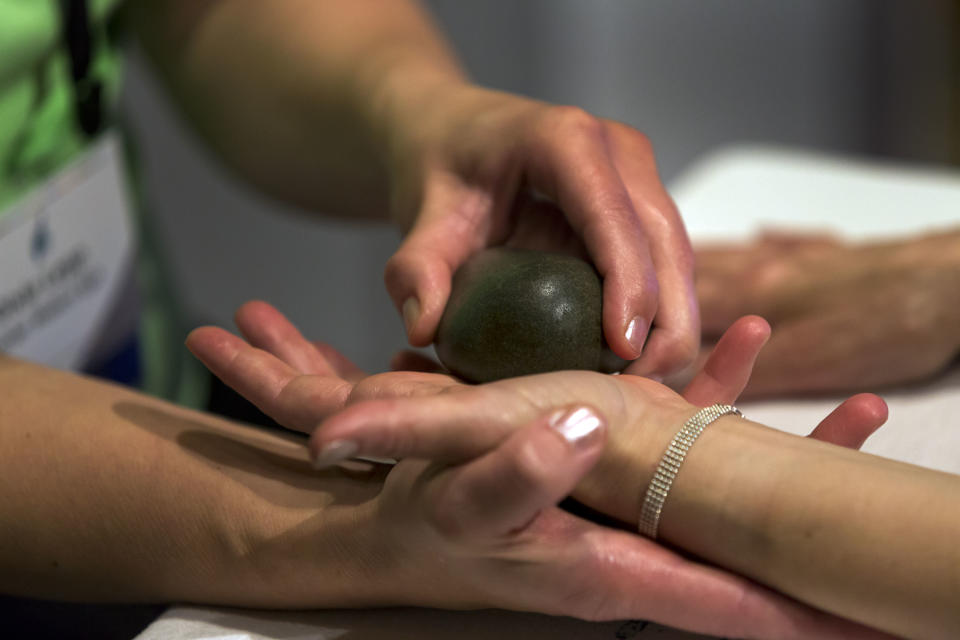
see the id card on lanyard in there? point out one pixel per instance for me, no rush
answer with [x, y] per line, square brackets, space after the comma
[67, 257]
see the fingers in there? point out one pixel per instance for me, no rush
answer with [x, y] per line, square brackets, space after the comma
[674, 338]
[540, 225]
[855, 420]
[674, 345]
[295, 401]
[503, 491]
[233, 360]
[454, 422]
[858, 346]
[546, 560]
[787, 239]
[342, 365]
[727, 370]
[663, 584]
[759, 278]
[569, 161]
[568, 157]
[449, 426]
[266, 328]
[454, 222]
[720, 274]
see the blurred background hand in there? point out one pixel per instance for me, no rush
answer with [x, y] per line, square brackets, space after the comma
[845, 316]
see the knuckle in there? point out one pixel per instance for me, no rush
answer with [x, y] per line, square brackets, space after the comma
[418, 263]
[648, 293]
[637, 141]
[573, 121]
[642, 144]
[620, 214]
[589, 596]
[682, 257]
[683, 350]
[530, 466]
[617, 227]
[401, 440]
[686, 259]
[398, 267]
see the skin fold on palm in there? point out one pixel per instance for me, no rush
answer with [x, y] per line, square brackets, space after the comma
[522, 552]
[846, 316]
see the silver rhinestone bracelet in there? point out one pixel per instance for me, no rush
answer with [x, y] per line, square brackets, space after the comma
[670, 464]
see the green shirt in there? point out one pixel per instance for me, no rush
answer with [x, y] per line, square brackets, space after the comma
[39, 136]
[37, 132]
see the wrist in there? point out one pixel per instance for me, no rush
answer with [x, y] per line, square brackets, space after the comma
[396, 84]
[399, 100]
[721, 501]
[619, 482]
[325, 557]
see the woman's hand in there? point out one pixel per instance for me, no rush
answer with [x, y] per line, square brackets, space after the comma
[431, 415]
[464, 421]
[471, 168]
[845, 317]
[360, 109]
[487, 533]
[557, 563]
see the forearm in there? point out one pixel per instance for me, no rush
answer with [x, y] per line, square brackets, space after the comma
[861, 536]
[285, 90]
[112, 495]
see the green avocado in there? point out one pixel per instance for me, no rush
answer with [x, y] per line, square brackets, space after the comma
[514, 312]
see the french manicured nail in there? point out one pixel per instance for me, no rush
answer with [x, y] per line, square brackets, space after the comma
[334, 452]
[411, 313]
[637, 333]
[577, 425]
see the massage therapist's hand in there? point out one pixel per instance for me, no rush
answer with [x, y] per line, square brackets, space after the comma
[487, 532]
[299, 383]
[845, 316]
[471, 168]
[360, 109]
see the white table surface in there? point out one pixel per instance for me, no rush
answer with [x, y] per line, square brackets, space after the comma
[729, 195]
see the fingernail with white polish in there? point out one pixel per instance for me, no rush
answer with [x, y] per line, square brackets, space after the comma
[637, 333]
[577, 425]
[411, 313]
[334, 452]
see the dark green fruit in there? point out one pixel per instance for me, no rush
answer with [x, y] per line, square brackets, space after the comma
[514, 312]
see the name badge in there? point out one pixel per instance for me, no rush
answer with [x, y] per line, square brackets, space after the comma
[67, 253]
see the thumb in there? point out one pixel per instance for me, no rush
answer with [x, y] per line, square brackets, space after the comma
[452, 224]
[851, 423]
[727, 370]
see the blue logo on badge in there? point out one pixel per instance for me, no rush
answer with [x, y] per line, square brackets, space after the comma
[40, 242]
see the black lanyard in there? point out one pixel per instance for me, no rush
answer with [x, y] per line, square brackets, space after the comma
[79, 43]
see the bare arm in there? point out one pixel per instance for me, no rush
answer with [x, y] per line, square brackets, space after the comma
[357, 108]
[112, 495]
[865, 537]
[119, 497]
[285, 91]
